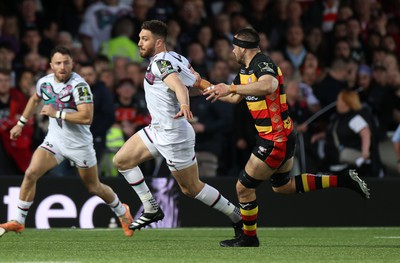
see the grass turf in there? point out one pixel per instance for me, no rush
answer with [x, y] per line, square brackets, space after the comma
[202, 245]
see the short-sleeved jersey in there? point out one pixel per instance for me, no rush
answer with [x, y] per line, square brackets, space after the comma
[270, 113]
[65, 96]
[161, 101]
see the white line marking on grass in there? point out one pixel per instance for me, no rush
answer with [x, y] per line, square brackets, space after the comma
[388, 237]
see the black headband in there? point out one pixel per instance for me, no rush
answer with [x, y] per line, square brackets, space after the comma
[244, 44]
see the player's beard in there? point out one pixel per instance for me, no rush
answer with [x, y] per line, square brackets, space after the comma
[147, 53]
[240, 58]
[62, 78]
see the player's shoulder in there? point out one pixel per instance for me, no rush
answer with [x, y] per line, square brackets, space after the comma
[264, 63]
[77, 80]
[49, 78]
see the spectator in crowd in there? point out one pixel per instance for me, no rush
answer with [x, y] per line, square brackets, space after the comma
[315, 43]
[31, 42]
[120, 44]
[49, 34]
[345, 12]
[135, 73]
[205, 37]
[328, 89]
[223, 26]
[36, 64]
[130, 115]
[9, 32]
[355, 40]
[12, 104]
[264, 43]
[300, 111]
[257, 13]
[103, 112]
[323, 14]
[64, 38]
[221, 48]
[350, 138]
[197, 58]
[140, 13]
[7, 55]
[342, 50]
[108, 78]
[191, 19]
[26, 83]
[29, 16]
[239, 20]
[211, 121]
[294, 49]
[174, 33]
[97, 23]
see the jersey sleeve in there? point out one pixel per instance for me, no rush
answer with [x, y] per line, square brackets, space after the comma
[162, 68]
[357, 123]
[264, 65]
[82, 93]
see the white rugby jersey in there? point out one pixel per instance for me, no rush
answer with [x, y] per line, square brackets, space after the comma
[161, 101]
[65, 96]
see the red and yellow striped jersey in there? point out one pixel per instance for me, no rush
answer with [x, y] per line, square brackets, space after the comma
[270, 113]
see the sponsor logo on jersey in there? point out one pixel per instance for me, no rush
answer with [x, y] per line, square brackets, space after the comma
[266, 67]
[84, 93]
[251, 98]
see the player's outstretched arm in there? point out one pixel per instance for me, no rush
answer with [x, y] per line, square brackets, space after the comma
[30, 109]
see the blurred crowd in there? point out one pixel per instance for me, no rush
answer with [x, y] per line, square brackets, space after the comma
[340, 61]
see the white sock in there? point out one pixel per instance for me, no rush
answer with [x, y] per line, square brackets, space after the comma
[211, 197]
[135, 178]
[23, 208]
[117, 207]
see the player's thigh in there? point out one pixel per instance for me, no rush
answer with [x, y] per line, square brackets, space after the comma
[258, 169]
[41, 162]
[132, 153]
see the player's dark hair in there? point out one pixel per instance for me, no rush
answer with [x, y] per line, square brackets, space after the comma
[156, 27]
[248, 34]
[62, 50]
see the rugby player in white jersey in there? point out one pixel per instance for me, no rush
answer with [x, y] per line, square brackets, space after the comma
[170, 135]
[68, 102]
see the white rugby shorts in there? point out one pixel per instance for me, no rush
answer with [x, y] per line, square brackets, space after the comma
[175, 145]
[82, 157]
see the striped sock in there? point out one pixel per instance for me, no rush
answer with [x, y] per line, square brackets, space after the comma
[116, 206]
[23, 208]
[249, 213]
[309, 182]
[135, 178]
[211, 197]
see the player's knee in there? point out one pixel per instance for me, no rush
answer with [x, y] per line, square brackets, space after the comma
[119, 163]
[247, 181]
[31, 174]
[282, 184]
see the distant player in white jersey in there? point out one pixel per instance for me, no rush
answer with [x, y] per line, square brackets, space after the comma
[166, 83]
[68, 102]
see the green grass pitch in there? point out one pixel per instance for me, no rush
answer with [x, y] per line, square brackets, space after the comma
[377, 244]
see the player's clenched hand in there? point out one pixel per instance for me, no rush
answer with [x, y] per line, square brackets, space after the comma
[15, 132]
[215, 92]
[49, 111]
[184, 111]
